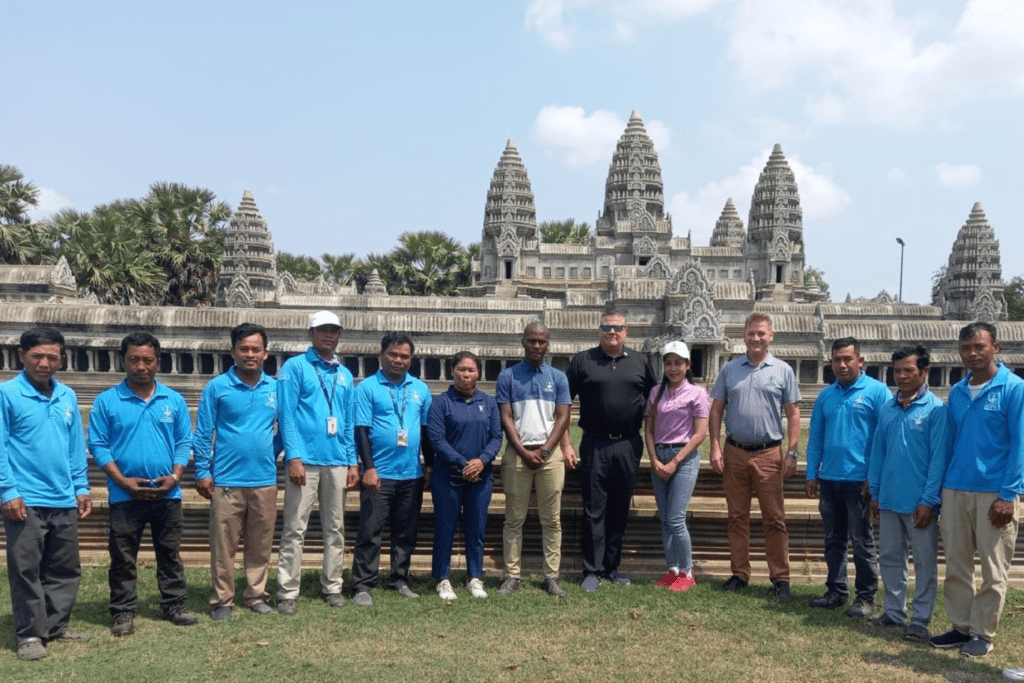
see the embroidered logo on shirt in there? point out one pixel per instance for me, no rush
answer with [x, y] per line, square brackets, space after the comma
[917, 422]
[481, 408]
[415, 396]
[992, 401]
[549, 387]
[67, 415]
[271, 401]
[168, 414]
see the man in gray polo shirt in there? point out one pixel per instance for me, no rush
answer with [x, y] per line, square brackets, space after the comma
[756, 387]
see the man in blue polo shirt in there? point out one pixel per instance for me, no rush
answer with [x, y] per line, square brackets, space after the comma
[238, 472]
[842, 428]
[979, 494]
[392, 410]
[140, 434]
[314, 395]
[908, 461]
[44, 491]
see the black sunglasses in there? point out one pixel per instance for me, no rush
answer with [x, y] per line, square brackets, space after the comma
[612, 328]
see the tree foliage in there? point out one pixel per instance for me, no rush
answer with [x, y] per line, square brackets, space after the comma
[1014, 292]
[817, 275]
[937, 277]
[567, 231]
[16, 199]
[301, 267]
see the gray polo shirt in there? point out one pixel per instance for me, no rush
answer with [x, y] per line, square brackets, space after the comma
[754, 396]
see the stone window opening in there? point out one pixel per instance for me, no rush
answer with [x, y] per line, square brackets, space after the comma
[778, 274]
[508, 270]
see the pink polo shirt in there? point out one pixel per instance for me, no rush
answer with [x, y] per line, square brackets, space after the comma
[677, 410]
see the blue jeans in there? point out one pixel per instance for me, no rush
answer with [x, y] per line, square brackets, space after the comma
[454, 499]
[845, 514]
[673, 497]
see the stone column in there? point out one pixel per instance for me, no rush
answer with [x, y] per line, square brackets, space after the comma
[820, 370]
[441, 374]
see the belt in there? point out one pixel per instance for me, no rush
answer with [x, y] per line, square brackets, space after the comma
[673, 445]
[612, 437]
[751, 447]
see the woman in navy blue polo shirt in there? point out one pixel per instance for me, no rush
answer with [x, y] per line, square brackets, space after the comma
[465, 431]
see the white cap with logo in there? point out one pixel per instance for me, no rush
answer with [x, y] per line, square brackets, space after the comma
[676, 347]
[321, 318]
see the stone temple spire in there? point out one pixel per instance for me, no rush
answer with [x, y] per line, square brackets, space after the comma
[634, 190]
[972, 288]
[776, 201]
[248, 274]
[729, 230]
[509, 217]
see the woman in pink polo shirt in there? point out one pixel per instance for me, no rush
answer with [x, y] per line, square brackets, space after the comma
[677, 422]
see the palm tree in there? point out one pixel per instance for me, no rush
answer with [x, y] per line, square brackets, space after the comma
[434, 260]
[301, 267]
[564, 232]
[16, 197]
[341, 267]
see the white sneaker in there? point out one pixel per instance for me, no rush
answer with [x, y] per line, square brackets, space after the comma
[445, 590]
[1013, 674]
[476, 588]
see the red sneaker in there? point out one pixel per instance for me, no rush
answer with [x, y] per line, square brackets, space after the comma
[666, 581]
[682, 583]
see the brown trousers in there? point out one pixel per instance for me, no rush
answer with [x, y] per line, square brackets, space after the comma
[246, 514]
[746, 474]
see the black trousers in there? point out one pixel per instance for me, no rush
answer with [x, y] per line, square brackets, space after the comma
[127, 522]
[398, 503]
[43, 570]
[608, 470]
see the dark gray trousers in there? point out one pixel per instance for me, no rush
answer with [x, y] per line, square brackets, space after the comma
[398, 502]
[43, 570]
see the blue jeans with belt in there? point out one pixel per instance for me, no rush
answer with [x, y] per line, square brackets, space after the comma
[846, 515]
[673, 498]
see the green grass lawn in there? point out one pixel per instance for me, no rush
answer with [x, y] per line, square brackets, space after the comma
[637, 633]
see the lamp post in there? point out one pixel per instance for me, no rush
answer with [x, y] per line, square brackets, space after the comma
[903, 246]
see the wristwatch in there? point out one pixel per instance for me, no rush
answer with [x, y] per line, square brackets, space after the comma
[176, 477]
[545, 453]
[795, 453]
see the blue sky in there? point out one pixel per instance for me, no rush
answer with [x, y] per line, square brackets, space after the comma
[353, 122]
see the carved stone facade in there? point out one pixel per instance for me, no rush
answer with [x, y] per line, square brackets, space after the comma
[248, 274]
[972, 288]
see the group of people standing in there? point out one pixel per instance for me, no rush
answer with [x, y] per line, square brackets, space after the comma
[871, 456]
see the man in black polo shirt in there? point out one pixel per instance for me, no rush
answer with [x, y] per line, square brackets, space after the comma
[612, 383]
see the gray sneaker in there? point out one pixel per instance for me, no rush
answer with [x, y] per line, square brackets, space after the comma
[222, 613]
[287, 607]
[362, 599]
[917, 633]
[976, 647]
[31, 649]
[261, 608]
[180, 616]
[553, 586]
[590, 583]
[333, 599]
[124, 624]
[407, 592]
[860, 609]
[509, 586]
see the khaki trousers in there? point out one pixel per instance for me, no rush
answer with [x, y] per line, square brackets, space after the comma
[249, 515]
[965, 529]
[517, 480]
[746, 474]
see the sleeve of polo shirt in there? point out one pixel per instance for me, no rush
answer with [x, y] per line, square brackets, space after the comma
[99, 432]
[720, 392]
[572, 374]
[289, 386]
[503, 389]
[650, 379]
[206, 424]
[493, 445]
[437, 432]
[940, 449]
[182, 433]
[816, 440]
[76, 453]
[363, 404]
[878, 454]
[348, 429]
[702, 404]
[562, 396]
[791, 392]
[1013, 475]
[8, 487]
[428, 402]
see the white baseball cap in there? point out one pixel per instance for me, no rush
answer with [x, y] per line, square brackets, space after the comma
[676, 347]
[321, 318]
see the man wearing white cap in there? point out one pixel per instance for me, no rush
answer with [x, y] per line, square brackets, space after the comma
[314, 396]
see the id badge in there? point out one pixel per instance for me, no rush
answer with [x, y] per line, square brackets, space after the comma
[403, 437]
[332, 426]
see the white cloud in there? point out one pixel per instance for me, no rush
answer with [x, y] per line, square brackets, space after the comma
[580, 139]
[565, 24]
[50, 202]
[859, 60]
[820, 197]
[959, 175]
[896, 175]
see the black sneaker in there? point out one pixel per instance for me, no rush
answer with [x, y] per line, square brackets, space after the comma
[553, 587]
[829, 600]
[976, 647]
[860, 609]
[509, 586]
[124, 624]
[735, 583]
[179, 616]
[781, 590]
[948, 640]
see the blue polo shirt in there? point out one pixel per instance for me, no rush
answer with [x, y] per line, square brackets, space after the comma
[754, 396]
[378, 404]
[461, 429]
[42, 446]
[988, 454]
[910, 454]
[243, 418]
[145, 438]
[308, 392]
[533, 394]
[842, 428]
